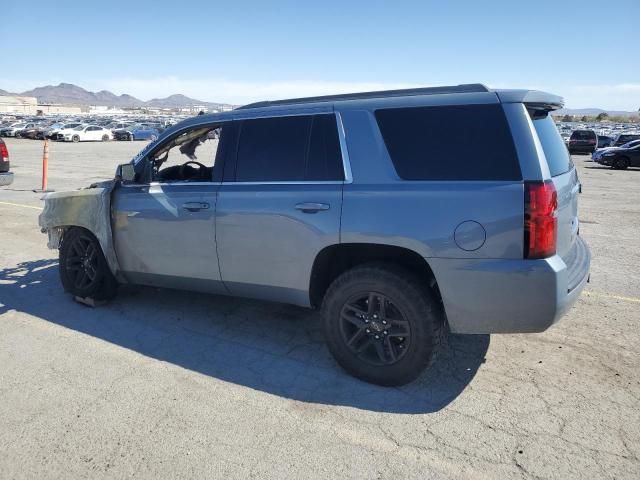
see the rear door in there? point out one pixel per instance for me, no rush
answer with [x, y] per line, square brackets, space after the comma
[565, 179]
[279, 205]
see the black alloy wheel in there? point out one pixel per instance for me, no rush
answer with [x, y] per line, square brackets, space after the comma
[375, 329]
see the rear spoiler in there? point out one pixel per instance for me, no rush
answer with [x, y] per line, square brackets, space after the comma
[533, 99]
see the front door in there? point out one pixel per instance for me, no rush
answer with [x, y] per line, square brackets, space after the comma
[164, 229]
[279, 205]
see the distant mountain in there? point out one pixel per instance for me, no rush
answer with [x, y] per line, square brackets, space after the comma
[69, 94]
[593, 112]
[174, 101]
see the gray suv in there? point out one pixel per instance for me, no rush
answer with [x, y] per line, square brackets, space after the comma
[400, 214]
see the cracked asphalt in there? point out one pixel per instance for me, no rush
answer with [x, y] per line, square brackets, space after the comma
[168, 384]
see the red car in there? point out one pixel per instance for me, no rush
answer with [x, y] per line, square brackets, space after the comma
[6, 177]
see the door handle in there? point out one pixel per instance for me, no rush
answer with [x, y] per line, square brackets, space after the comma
[195, 206]
[312, 207]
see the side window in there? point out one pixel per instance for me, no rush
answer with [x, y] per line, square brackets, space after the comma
[188, 157]
[289, 149]
[458, 142]
[273, 149]
[324, 161]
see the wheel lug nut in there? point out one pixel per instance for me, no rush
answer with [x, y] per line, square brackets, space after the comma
[384, 322]
[368, 331]
[377, 337]
[385, 332]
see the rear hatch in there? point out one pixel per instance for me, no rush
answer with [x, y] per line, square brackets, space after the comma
[583, 138]
[565, 179]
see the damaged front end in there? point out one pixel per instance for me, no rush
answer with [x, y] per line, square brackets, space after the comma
[89, 208]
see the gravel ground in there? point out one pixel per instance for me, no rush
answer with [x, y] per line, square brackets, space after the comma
[167, 384]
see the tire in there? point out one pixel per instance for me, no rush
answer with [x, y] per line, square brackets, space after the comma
[83, 269]
[414, 324]
[105, 138]
[75, 139]
[621, 163]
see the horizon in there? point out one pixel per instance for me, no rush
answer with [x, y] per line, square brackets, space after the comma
[250, 52]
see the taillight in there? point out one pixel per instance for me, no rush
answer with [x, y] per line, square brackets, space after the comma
[540, 222]
[592, 142]
[4, 153]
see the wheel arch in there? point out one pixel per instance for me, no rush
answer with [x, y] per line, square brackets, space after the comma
[336, 259]
[89, 209]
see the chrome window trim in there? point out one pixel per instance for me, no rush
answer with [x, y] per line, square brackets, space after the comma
[342, 137]
[346, 165]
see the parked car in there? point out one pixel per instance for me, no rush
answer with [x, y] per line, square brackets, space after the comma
[620, 158]
[30, 132]
[52, 130]
[137, 132]
[583, 141]
[287, 213]
[6, 177]
[598, 154]
[59, 133]
[88, 133]
[623, 138]
[604, 141]
[10, 130]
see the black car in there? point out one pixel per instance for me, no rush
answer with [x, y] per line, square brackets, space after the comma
[625, 138]
[604, 141]
[583, 141]
[623, 157]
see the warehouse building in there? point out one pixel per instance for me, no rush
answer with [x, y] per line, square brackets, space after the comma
[30, 106]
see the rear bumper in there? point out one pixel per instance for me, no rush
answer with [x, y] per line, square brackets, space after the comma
[6, 179]
[510, 296]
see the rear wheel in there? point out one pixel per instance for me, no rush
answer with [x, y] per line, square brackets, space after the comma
[382, 324]
[83, 269]
[105, 138]
[621, 163]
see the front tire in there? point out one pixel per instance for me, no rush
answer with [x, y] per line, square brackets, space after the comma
[75, 139]
[105, 138]
[83, 269]
[382, 324]
[621, 163]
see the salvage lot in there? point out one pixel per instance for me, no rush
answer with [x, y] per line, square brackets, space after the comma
[165, 384]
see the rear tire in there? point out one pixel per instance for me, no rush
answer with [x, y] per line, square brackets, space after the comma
[105, 138]
[83, 269]
[387, 345]
[621, 163]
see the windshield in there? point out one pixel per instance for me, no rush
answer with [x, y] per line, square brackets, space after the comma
[78, 128]
[554, 148]
[631, 144]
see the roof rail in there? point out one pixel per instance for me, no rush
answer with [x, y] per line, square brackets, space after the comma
[465, 88]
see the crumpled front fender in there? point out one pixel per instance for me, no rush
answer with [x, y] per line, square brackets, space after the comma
[88, 208]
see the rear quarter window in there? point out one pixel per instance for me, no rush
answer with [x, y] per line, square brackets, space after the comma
[554, 148]
[458, 142]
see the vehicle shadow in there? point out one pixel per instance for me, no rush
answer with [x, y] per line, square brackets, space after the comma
[604, 167]
[275, 348]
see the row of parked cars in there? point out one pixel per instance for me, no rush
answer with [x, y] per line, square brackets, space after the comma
[78, 131]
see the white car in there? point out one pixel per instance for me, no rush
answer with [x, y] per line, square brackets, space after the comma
[88, 133]
[59, 133]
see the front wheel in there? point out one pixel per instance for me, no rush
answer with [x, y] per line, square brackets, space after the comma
[105, 138]
[83, 269]
[621, 163]
[382, 324]
[75, 139]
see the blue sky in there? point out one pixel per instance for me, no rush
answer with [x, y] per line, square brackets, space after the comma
[241, 51]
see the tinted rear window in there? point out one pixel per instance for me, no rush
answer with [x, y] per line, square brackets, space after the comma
[461, 142]
[554, 147]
